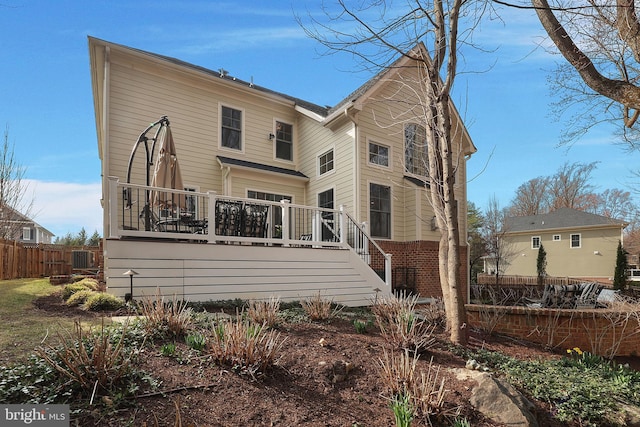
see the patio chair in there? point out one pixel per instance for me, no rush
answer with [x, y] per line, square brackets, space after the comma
[228, 218]
[254, 220]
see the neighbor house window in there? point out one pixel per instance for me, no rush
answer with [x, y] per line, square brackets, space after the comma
[575, 240]
[380, 210]
[26, 233]
[378, 154]
[325, 162]
[231, 132]
[556, 237]
[284, 141]
[535, 242]
[415, 149]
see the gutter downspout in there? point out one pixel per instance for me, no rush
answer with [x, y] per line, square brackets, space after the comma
[105, 142]
[226, 185]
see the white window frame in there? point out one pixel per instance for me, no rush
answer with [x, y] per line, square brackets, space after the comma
[579, 241]
[275, 141]
[389, 154]
[533, 240]
[557, 237]
[417, 151]
[369, 227]
[26, 233]
[318, 164]
[242, 132]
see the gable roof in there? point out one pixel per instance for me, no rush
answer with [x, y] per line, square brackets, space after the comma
[560, 218]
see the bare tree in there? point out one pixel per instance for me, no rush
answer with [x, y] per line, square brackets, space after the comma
[601, 42]
[532, 198]
[14, 206]
[428, 34]
[499, 249]
[571, 188]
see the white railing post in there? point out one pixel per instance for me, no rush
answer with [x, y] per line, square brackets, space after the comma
[285, 222]
[211, 219]
[316, 225]
[343, 226]
[112, 206]
[387, 270]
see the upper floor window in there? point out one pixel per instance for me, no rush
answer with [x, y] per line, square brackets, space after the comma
[415, 149]
[535, 242]
[556, 237]
[26, 233]
[231, 135]
[575, 240]
[380, 210]
[378, 154]
[284, 141]
[325, 162]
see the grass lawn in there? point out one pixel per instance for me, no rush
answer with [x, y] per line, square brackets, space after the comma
[23, 326]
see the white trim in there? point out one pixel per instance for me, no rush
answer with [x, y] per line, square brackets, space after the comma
[322, 153]
[571, 240]
[243, 119]
[558, 239]
[293, 139]
[389, 165]
[539, 242]
[369, 230]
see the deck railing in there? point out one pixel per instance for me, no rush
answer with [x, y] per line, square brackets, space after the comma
[159, 213]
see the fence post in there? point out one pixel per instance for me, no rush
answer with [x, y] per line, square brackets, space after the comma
[387, 270]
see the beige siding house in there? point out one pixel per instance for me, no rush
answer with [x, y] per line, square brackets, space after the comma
[578, 244]
[343, 188]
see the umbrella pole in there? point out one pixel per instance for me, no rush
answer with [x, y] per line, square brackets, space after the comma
[164, 121]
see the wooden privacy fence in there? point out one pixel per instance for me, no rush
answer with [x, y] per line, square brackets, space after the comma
[18, 260]
[490, 279]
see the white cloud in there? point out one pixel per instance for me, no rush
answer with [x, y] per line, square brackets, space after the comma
[64, 207]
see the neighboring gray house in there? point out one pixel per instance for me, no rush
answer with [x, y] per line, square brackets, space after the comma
[16, 226]
[578, 244]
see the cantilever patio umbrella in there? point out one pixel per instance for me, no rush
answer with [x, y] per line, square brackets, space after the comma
[166, 174]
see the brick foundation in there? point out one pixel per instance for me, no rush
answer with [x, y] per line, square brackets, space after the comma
[422, 256]
[599, 331]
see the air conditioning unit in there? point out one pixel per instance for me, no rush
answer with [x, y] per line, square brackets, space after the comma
[81, 260]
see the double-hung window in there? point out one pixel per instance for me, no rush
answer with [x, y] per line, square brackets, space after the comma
[231, 131]
[284, 141]
[415, 149]
[380, 210]
[575, 240]
[535, 242]
[26, 233]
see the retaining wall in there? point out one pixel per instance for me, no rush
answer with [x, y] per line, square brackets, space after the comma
[607, 331]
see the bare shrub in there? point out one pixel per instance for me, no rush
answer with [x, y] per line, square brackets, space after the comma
[244, 345]
[400, 325]
[160, 317]
[319, 308]
[553, 326]
[622, 321]
[94, 360]
[264, 312]
[434, 313]
[401, 378]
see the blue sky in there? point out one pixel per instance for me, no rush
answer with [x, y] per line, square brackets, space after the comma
[46, 100]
